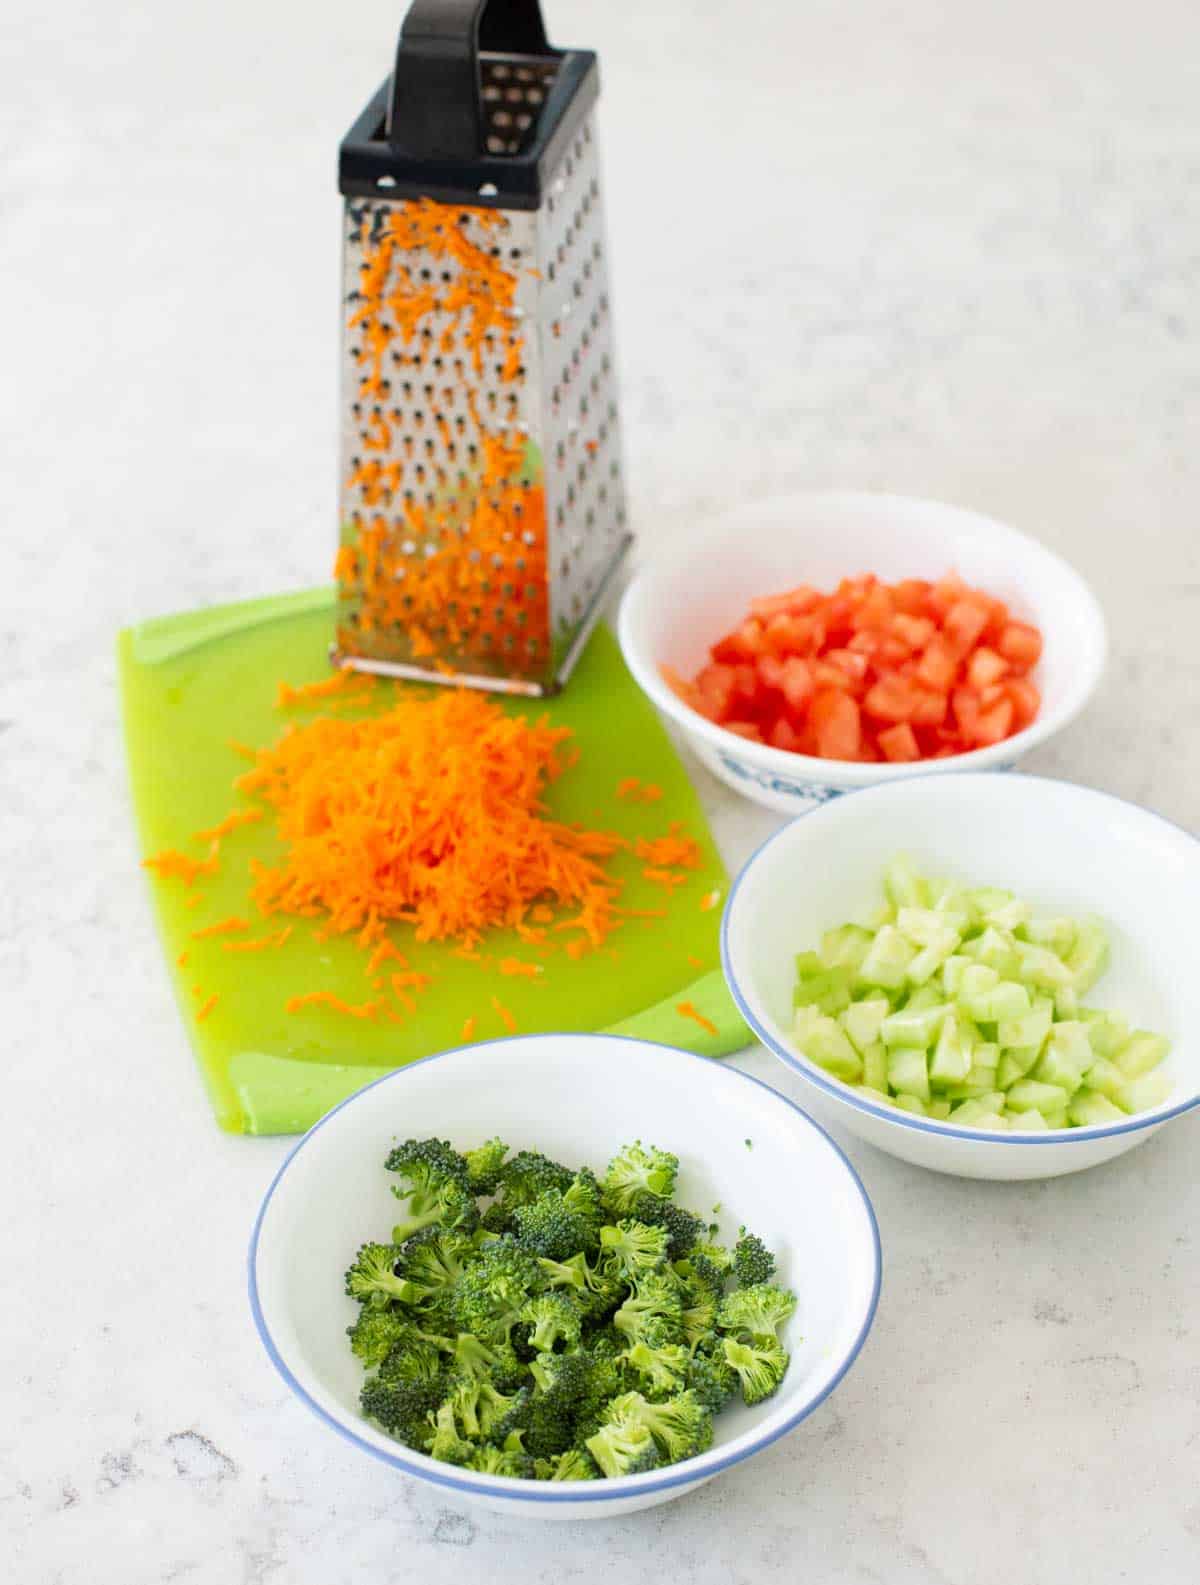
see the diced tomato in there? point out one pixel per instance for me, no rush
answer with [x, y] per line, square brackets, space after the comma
[745, 685]
[929, 709]
[796, 683]
[715, 686]
[989, 696]
[836, 724]
[985, 668]
[746, 729]
[891, 698]
[994, 725]
[794, 635]
[945, 593]
[964, 623]
[866, 643]
[1026, 701]
[911, 596]
[849, 661]
[744, 643]
[997, 622]
[793, 602]
[966, 706]
[899, 743]
[1021, 645]
[915, 631]
[937, 666]
[826, 675]
[875, 611]
[784, 735]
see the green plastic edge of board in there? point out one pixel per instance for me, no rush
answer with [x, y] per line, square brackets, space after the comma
[280, 1095]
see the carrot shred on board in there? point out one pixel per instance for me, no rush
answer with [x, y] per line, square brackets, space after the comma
[367, 1010]
[386, 949]
[410, 981]
[505, 1014]
[709, 901]
[171, 863]
[541, 915]
[468, 1029]
[636, 792]
[686, 1010]
[675, 850]
[203, 1012]
[694, 962]
[514, 968]
[651, 793]
[223, 927]
[181, 960]
[343, 681]
[668, 878]
[243, 750]
[262, 944]
[628, 787]
[577, 949]
[191, 900]
[238, 817]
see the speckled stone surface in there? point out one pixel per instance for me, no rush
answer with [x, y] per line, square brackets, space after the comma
[947, 250]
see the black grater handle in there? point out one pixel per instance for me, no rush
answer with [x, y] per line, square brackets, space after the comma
[434, 110]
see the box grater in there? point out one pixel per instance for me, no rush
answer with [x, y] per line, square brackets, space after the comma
[482, 511]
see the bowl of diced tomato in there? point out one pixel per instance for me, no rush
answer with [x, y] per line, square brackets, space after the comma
[819, 643]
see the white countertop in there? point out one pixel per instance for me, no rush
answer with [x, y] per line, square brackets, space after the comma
[941, 249]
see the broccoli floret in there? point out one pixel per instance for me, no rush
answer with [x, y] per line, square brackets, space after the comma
[498, 1218]
[376, 1332]
[527, 1175]
[653, 1311]
[574, 1464]
[489, 1460]
[624, 1447]
[444, 1440]
[684, 1230]
[681, 1426]
[552, 1319]
[759, 1310]
[699, 1272]
[402, 1409]
[433, 1259]
[633, 1248]
[661, 1370]
[699, 1315]
[635, 1170]
[482, 1412]
[495, 1362]
[433, 1180]
[562, 1381]
[753, 1262]
[759, 1365]
[548, 1227]
[483, 1166]
[491, 1292]
[372, 1278]
[712, 1380]
[414, 1359]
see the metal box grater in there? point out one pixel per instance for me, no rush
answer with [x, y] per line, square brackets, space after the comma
[482, 510]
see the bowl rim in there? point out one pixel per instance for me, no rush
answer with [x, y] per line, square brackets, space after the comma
[685, 1473]
[851, 773]
[890, 1114]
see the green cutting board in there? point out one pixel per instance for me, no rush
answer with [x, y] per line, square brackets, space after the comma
[194, 683]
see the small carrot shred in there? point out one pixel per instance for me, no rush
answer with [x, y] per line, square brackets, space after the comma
[514, 967]
[577, 949]
[262, 944]
[629, 787]
[231, 822]
[386, 949]
[505, 1014]
[541, 915]
[651, 793]
[191, 899]
[694, 962]
[344, 680]
[170, 863]
[709, 901]
[675, 850]
[666, 878]
[223, 927]
[366, 1010]
[411, 980]
[203, 1012]
[686, 1010]
[468, 1029]
[636, 792]
[181, 960]
[243, 750]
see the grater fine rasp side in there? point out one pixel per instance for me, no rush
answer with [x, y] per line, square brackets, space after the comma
[482, 510]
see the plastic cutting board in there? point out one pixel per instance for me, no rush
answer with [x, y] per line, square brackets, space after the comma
[192, 684]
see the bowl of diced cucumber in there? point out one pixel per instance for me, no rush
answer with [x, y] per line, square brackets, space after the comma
[987, 975]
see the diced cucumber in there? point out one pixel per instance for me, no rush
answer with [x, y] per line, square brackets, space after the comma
[808, 965]
[903, 884]
[1057, 934]
[923, 996]
[1142, 1052]
[912, 1027]
[829, 991]
[1029, 1122]
[1003, 1001]
[1041, 967]
[911, 1103]
[996, 948]
[861, 1020]
[1015, 1063]
[1065, 1057]
[1108, 1032]
[1056, 1117]
[1139, 1095]
[1008, 916]
[885, 914]
[846, 947]
[1088, 958]
[951, 1060]
[1030, 1029]
[930, 958]
[1033, 1095]
[1090, 1107]
[924, 926]
[1066, 1002]
[1105, 1077]
[907, 1072]
[953, 906]
[939, 1109]
[979, 1114]
[952, 972]
[824, 1041]
[887, 961]
[984, 900]
[872, 1094]
[975, 979]
[875, 1065]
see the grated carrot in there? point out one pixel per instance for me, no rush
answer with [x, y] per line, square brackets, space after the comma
[223, 927]
[709, 901]
[514, 967]
[203, 1012]
[675, 850]
[651, 793]
[181, 960]
[694, 962]
[412, 980]
[170, 863]
[262, 944]
[506, 1017]
[636, 792]
[368, 1010]
[238, 817]
[686, 1010]
[191, 900]
[667, 878]
[468, 1029]
[577, 949]
[242, 749]
[386, 949]
[629, 787]
[342, 681]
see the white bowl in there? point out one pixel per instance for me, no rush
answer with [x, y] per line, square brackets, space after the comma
[1066, 849]
[685, 600]
[578, 1098]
